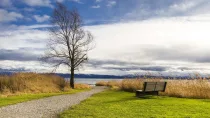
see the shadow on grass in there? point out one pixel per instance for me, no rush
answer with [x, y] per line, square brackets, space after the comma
[147, 97]
[133, 98]
[205, 100]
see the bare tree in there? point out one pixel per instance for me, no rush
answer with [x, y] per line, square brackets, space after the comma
[69, 42]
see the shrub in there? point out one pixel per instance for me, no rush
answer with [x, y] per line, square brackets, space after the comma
[82, 86]
[32, 83]
[101, 83]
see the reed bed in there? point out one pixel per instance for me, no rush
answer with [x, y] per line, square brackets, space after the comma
[34, 83]
[194, 88]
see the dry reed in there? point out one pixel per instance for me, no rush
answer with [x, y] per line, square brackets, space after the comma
[34, 83]
[196, 88]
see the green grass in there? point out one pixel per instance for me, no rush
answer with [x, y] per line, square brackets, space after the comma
[26, 97]
[118, 104]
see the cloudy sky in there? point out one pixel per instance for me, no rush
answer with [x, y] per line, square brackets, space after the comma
[169, 37]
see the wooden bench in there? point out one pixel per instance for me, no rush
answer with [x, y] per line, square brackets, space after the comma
[151, 88]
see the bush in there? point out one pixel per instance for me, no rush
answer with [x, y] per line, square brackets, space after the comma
[32, 83]
[101, 83]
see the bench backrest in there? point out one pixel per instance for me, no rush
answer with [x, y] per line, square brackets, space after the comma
[154, 86]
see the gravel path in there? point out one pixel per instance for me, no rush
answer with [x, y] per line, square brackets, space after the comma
[46, 107]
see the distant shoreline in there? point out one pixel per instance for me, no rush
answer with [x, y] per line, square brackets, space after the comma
[96, 76]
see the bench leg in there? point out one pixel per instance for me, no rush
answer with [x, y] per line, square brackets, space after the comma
[139, 94]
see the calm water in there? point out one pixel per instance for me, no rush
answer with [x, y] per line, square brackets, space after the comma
[90, 80]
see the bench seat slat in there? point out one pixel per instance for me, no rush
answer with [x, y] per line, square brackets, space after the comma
[150, 87]
[159, 88]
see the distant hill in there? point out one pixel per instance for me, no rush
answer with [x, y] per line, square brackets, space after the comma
[95, 76]
[91, 76]
[79, 75]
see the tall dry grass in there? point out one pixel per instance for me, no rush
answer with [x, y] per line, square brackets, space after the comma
[197, 88]
[34, 83]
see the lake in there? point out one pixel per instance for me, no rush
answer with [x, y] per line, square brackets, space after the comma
[90, 80]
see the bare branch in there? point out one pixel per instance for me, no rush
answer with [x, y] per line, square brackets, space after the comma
[69, 43]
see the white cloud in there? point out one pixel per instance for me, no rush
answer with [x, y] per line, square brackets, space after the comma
[178, 42]
[59, 0]
[153, 32]
[95, 7]
[185, 39]
[40, 18]
[183, 6]
[23, 38]
[144, 11]
[46, 3]
[26, 27]
[34, 66]
[33, 36]
[98, 0]
[6, 3]
[77, 1]
[6, 16]
[111, 3]
[187, 7]
[29, 9]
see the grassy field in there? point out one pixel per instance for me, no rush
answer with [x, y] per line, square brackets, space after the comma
[119, 104]
[22, 98]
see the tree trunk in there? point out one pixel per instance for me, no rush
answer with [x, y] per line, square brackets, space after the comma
[72, 78]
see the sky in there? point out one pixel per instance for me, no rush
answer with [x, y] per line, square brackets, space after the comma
[160, 37]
